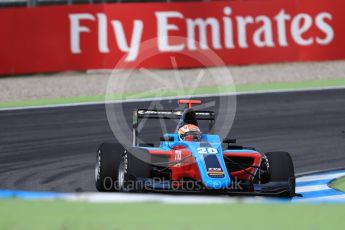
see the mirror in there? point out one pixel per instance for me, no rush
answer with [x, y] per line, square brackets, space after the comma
[165, 138]
[228, 140]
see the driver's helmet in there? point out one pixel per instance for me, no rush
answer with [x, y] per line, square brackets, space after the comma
[189, 133]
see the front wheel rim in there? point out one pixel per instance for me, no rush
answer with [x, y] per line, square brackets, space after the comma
[122, 172]
[98, 166]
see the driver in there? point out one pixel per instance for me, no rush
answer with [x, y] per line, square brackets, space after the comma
[189, 133]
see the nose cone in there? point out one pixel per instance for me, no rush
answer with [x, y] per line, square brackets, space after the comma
[213, 170]
[216, 174]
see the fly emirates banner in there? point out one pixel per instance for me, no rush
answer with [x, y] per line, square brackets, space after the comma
[105, 36]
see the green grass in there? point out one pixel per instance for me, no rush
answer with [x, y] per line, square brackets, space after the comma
[339, 184]
[35, 215]
[178, 92]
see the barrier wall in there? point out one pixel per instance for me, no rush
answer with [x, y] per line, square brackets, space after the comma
[80, 37]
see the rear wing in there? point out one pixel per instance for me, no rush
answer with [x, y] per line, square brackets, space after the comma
[167, 114]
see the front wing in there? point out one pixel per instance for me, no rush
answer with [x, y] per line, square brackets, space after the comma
[279, 189]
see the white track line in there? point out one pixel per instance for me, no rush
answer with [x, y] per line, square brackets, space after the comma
[335, 198]
[320, 177]
[312, 188]
[162, 198]
[170, 98]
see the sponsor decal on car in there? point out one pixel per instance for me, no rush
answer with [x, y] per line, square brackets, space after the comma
[215, 172]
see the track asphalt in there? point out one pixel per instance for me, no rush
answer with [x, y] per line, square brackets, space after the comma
[53, 149]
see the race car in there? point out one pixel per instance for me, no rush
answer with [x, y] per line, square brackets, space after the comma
[202, 163]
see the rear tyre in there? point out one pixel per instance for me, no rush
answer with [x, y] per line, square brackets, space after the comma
[281, 169]
[106, 168]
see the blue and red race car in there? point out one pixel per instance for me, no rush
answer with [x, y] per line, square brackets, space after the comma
[205, 164]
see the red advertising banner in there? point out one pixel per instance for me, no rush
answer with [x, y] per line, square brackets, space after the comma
[80, 37]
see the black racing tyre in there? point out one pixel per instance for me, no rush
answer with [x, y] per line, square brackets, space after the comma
[281, 169]
[134, 167]
[106, 168]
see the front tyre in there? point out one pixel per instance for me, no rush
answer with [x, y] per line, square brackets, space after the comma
[281, 169]
[134, 168]
[106, 168]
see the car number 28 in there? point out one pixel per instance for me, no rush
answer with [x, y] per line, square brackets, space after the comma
[203, 150]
